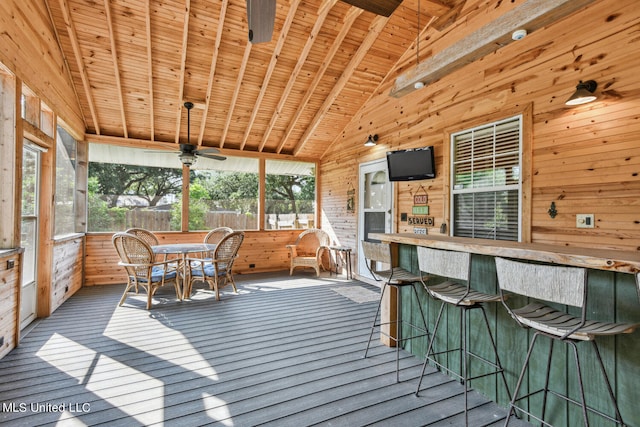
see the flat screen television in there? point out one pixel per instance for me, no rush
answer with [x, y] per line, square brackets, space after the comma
[411, 165]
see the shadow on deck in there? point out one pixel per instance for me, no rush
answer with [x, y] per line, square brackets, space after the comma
[285, 351]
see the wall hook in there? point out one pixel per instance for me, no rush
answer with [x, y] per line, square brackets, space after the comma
[552, 210]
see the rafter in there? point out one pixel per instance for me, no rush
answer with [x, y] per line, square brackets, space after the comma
[183, 64]
[212, 69]
[449, 17]
[391, 72]
[349, 19]
[152, 124]
[272, 65]
[313, 36]
[116, 68]
[236, 91]
[374, 31]
[71, 30]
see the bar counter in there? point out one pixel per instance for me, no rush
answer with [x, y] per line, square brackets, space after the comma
[599, 259]
[612, 296]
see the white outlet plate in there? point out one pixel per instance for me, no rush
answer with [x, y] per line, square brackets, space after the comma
[585, 221]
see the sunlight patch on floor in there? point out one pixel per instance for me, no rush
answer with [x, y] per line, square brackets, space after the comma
[357, 293]
[153, 324]
[68, 356]
[123, 396]
[217, 409]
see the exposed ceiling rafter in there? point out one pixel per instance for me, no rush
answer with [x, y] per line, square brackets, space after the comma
[349, 19]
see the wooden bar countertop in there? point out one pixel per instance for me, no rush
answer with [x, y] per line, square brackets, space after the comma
[599, 259]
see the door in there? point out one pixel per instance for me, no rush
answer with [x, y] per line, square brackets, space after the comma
[375, 205]
[29, 232]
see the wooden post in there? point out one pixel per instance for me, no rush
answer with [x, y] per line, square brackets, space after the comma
[388, 310]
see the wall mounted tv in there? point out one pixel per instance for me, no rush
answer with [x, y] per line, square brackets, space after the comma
[411, 165]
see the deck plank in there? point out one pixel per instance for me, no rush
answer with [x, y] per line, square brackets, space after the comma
[284, 351]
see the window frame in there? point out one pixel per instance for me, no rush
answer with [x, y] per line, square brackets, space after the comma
[525, 210]
[261, 159]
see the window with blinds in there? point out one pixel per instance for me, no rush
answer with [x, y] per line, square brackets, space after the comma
[486, 181]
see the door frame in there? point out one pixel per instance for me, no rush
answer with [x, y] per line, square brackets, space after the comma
[26, 321]
[379, 165]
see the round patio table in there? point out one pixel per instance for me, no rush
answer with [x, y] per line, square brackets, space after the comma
[182, 249]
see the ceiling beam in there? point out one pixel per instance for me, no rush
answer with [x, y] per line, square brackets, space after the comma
[302, 57]
[152, 124]
[386, 78]
[169, 147]
[116, 68]
[374, 31]
[212, 69]
[77, 52]
[349, 19]
[449, 17]
[236, 91]
[531, 15]
[379, 7]
[272, 65]
[183, 64]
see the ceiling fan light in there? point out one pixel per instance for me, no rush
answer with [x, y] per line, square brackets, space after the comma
[187, 159]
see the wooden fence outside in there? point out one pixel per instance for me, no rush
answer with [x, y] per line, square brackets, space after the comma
[161, 220]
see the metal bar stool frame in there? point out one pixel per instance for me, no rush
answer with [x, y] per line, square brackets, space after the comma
[568, 287]
[398, 278]
[457, 265]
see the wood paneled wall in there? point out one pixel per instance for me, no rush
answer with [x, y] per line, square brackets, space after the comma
[585, 159]
[9, 300]
[39, 56]
[265, 250]
[67, 274]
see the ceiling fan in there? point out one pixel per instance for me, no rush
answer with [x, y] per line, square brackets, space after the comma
[189, 152]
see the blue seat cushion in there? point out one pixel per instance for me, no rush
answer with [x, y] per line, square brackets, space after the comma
[156, 275]
[209, 270]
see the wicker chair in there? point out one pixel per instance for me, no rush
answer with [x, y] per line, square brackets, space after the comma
[148, 236]
[216, 271]
[308, 249]
[142, 269]
[213, 238]
[145, 235]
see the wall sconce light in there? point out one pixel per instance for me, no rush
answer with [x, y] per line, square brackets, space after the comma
[584, 93]
[371, 141]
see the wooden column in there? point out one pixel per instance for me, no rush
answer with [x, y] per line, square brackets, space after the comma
[388, 309]
[46, 219]
[9, 165]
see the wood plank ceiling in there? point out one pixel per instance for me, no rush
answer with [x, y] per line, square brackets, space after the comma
[134, 63]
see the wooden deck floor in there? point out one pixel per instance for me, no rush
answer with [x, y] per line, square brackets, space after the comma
[283, 352]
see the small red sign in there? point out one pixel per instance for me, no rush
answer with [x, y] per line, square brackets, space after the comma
[420, 199]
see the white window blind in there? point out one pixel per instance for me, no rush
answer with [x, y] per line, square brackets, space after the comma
[486, 164]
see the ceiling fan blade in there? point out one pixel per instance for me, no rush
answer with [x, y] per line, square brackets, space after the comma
[212, 156]
[208, 150]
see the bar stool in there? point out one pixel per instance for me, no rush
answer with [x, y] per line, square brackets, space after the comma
[457, 265]
[564, 286]
[396, 277]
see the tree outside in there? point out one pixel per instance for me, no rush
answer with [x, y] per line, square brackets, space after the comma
[122, 196]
